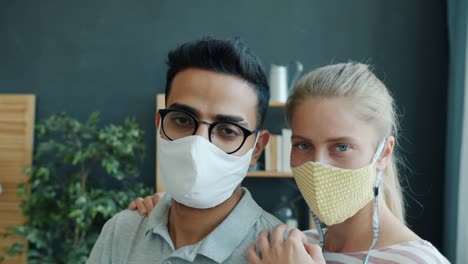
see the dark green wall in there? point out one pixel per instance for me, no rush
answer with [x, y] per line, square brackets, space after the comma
[81, 56]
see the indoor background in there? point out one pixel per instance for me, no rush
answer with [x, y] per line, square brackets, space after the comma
[109, 56]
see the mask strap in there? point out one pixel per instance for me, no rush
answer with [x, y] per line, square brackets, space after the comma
[375, 218]
[318, 226]
[159, 132]
[256, 138]
[379, 151]
[375, 221]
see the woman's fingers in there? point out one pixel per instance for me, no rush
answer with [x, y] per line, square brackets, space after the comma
[280, 250]
[146, 205]
[278, 235]
[157, 197]
[141, 206]
[149, 204]
[315, 252]
[297, 234]
[264, 242]
[132, 206]
[252, 256]
[312, 249]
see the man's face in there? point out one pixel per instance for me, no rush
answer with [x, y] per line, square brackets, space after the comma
[213, 97]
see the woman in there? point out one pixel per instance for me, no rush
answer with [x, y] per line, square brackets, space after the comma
[344, 126]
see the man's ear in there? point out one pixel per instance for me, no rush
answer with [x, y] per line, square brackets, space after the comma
[382, 162]
[262, 141]
[157, 119]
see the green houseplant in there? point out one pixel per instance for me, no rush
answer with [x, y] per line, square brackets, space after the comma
[81, 176]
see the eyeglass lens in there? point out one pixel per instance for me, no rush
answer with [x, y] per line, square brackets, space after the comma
[226, 136]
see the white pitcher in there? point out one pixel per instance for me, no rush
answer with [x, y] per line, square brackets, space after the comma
[279, 87]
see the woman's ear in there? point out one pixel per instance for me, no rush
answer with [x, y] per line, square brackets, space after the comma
[262, 141]
[386, 153]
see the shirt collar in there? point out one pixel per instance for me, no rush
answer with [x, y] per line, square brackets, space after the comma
[158, 219]
[224, 239]
[228, 236]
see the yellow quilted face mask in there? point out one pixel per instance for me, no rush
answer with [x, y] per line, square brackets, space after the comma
[335, 194]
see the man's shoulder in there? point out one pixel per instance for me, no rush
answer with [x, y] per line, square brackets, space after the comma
[128, 216]
[254, 212]
[268, 220]
[117, 236]
[264, 219]
[127, 221]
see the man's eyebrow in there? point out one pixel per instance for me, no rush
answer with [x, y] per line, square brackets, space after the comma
[231, 118]
[185, 108]
[218, 118]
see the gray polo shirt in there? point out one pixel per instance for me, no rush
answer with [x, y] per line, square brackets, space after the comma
[130, 238]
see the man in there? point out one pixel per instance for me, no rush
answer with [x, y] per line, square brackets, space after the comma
[216, 97]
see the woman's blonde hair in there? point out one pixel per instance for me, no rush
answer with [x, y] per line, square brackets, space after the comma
[374, 104]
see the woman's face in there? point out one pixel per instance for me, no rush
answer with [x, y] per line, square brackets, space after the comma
[328, 130]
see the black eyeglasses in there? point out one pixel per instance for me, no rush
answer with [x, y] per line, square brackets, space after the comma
[227, 136]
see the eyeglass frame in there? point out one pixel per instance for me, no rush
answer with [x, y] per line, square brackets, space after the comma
[247, 133]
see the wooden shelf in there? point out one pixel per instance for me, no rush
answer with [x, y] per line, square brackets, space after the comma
[276, 104]
[269, 174]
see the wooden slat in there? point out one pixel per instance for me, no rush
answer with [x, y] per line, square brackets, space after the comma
[8, 154]
[12, 175]
[10, 207]
[14, 164]
[13, 107]
[160, 104]
[16, 145]
[9, 193]
[12, 117]
[12, 128]
[11, 218]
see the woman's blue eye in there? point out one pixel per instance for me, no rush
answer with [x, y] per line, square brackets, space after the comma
[342, 148]
[303, 146]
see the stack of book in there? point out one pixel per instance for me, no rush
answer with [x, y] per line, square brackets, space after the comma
[278, 152]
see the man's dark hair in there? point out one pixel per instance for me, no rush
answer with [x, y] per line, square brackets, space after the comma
[224, 56]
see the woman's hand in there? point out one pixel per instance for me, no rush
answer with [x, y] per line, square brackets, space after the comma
[292, 250]
[146, 205]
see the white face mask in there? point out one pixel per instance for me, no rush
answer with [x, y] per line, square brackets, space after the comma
[198, 174]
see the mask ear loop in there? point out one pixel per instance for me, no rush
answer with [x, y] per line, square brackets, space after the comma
[375, 221]
[379, 151]
[375, 218]
[256, 140]
[318, 226]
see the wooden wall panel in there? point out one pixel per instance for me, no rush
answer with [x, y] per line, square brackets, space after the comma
[16, 149]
